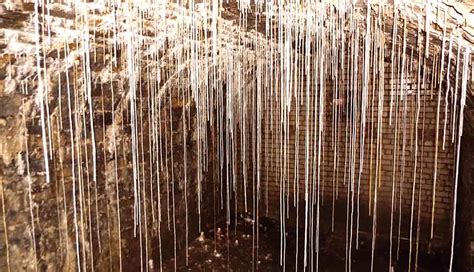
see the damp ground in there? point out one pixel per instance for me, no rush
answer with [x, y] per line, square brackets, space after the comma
[234, 248]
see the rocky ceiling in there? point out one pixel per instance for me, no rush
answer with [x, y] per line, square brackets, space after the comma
[162, 25]
[220, 48]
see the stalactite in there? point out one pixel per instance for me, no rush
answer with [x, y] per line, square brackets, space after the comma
[41, 90]
[435, 175]
[417, 116]
[293, 108]
[462, 104]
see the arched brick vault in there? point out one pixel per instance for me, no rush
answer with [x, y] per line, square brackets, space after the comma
[55, 244]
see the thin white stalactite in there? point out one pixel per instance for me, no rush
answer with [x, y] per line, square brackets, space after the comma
[394, 43]
[420, 191]
[448, 89]
[435, 175]
[456, 83]
[394, 175]
[41, 90]
[73, 158]
[403, 151]
[417, 116]
[462, 104]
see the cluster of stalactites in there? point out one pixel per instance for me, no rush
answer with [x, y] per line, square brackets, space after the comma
[235, 79]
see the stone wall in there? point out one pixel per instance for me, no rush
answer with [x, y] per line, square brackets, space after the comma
[44, 224]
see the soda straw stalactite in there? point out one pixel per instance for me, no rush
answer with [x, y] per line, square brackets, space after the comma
[309, 106]
[462, 104]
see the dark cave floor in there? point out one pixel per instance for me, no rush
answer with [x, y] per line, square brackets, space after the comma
[214, 251]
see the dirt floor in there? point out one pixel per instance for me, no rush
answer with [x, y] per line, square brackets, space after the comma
[215, 251]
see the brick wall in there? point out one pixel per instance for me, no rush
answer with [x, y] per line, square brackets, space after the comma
[283, 175]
